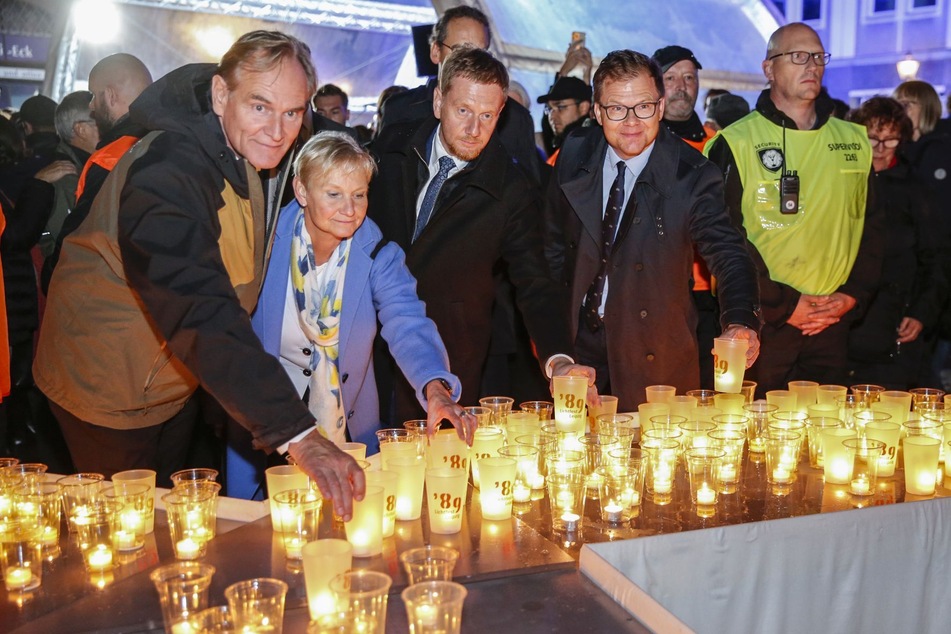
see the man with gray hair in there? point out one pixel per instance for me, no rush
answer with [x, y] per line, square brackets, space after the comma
[78, 136]
[152, 295]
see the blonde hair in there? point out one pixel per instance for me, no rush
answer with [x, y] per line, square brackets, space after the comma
[328, 151]
[928, 101]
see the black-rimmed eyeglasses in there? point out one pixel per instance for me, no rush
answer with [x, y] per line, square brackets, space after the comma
[616, 112]
[802, 57]
[889, 143]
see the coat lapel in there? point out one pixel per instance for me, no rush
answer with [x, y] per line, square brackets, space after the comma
[584, 190]
[358, 276]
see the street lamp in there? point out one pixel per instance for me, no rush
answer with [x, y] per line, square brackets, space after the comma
[908, 67]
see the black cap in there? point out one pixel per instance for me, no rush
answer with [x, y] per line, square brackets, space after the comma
[670, 55]
[727, 109]
[567, 88]
[38, 111]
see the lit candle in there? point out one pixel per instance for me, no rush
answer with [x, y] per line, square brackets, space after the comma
[564, 500]
[50, 536]
[132, 521]
[18, 578]
[426, 614]
[6, 505]
[99, 558]
[727, 473]
[757, 445]
[706, 495]
[571, 521]
[201, 534]
[124, 540]
[781, 475]
[521, 493]
[361, 541]
[839, 471]
[612, 513]
[187, 548]
[289, 518]
[635, 498]
[926, 480]
[183, 627]
[538, 482]
[860, 486]
[293, 546]
[494, 506]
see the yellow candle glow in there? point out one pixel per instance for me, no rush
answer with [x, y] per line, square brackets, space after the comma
[663, 481]
[521, 493]
[538, 482]
[187, 548]
[99, 558]
[781, 475]
[706, 495]
[292, 547]
[727, 473]
[859, 486]
[839, 471]
[131, 521]
[612, 512]
[571, 521]
[124, 540]
[757, 445]
[18, 578]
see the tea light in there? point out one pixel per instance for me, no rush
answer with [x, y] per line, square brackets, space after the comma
[571, 521]
[293, 546]
[99, 558]
[494, 506]
[662, 485]
[289, 518]
[124, 540]
[706, 495]
[538, 482]
[727, 473]
[50, 536]
[565, 499]
[612, 513]
[860, 486]
[132, 521]
[839, 471]
[781, 475]
[926, 479]
[426, 614]
[360, 540]
[18, 578]
[521, 493]
[187, 548]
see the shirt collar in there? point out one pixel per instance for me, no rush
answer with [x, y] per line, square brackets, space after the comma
[439, 150]
[635, 164]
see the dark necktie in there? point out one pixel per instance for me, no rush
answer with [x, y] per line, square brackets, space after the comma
[429, 200]
[612, 213]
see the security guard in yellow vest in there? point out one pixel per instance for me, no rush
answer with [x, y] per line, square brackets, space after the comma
[797, 181]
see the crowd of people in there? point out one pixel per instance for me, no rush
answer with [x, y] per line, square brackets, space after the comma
[213, 269]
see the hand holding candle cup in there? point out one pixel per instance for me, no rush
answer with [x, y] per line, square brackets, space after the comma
[570, 393]
[729, 364]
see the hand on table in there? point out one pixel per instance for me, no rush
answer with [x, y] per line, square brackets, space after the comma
[338, 476]
[442, 407]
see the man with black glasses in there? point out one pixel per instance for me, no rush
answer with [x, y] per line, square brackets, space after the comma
[627, 203]
[797, 184]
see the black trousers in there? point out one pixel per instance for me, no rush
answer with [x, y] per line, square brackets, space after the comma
[788, 355]
[163, 447]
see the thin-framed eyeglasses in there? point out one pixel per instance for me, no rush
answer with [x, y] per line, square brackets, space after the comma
[802, 58]
[890, 143]
[561, 107]
[451, 48]
[616, 112]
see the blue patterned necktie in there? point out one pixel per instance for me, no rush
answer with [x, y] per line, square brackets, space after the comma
[429, 200]
[612, 214]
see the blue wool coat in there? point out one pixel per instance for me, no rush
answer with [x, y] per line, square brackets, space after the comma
[377, 287]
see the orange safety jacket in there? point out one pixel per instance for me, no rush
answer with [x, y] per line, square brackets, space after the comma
[105, 157]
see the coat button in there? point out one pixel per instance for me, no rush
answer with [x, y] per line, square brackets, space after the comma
[349, 414]
[650, 357]
[661, 232]
[637, 221]
[572, 245]
[306, 351]
[638, 267]
[344, 378]
[643, 314]
[307, 372]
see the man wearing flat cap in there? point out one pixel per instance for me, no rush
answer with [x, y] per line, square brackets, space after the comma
[682, 85]
[567, 105]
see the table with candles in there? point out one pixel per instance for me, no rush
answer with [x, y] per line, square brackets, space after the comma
[629, 477]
